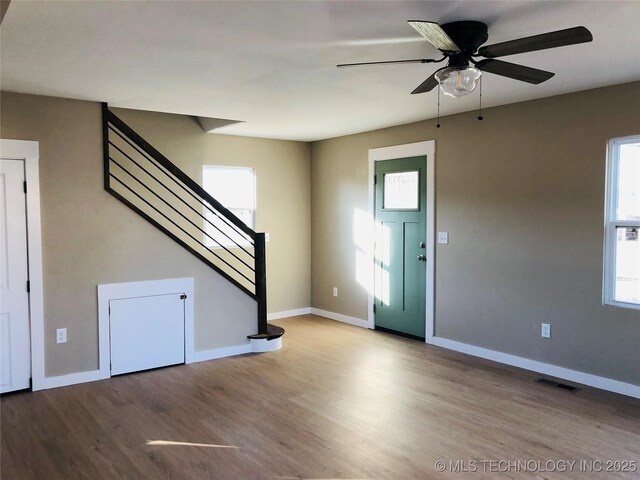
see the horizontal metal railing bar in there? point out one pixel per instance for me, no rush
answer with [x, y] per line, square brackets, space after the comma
[180, 213]
[178, 240]
[183, 201]
[171, 170]
[184, 178]
[182, 229]
[201, 201]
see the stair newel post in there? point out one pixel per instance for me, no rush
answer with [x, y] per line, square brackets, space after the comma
[105, 146]
[261, 281]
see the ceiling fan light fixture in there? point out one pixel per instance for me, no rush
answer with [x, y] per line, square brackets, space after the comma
[458, 82]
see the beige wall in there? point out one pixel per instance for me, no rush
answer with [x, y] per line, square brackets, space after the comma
[521, 195]
[90, 238]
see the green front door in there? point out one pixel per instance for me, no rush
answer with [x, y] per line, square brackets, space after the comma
[400, 209]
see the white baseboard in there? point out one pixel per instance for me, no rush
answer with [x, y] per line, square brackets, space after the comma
[596, 381]
[358, 322]
[70, 379]
[288, 313]
[591, 380]
[203, 355]
[93, 375]
[262, 345]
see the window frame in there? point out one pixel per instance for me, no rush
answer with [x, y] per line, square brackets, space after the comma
[384, 192]
[611, 223]
[206, 240]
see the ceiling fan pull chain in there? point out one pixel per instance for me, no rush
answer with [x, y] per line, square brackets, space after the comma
[438, 124]
[480, 117]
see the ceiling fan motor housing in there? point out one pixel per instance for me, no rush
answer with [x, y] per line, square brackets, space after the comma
[468, 35]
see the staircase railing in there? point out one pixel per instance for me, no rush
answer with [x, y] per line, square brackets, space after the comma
[155, 188]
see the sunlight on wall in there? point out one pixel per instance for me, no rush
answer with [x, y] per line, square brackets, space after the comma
[364, 271]
[373, 277]
[362, 230]
[363, 241]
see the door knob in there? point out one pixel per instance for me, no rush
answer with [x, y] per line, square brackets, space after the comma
[422, 258]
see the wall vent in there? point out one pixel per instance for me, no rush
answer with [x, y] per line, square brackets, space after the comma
[552, 383]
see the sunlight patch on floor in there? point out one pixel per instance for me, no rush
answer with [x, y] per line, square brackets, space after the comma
[187, 444]
[298, 478]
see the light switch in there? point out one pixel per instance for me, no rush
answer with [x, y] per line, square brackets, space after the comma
[443, 238]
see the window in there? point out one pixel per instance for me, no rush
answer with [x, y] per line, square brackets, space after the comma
[622, 223]
[234, 188]
[401, 190]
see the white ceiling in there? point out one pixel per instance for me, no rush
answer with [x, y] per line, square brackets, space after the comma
[272, 64]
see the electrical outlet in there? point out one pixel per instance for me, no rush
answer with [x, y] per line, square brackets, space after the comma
[545, 331]
[61, 335]
[335, 291]
[266, 237]
[443, 238]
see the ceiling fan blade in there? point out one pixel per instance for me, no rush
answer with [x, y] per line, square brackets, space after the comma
[435, 34]
[388, 62]
[559, 38]
[428, 85]
[512, 70]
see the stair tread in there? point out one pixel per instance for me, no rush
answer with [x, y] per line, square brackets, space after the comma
[273, 332]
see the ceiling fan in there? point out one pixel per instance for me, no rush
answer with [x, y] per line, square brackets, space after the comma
[460, 43]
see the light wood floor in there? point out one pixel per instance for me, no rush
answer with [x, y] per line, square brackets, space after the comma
[336, 402]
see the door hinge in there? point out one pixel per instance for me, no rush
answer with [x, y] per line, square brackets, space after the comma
[24, 186]
[374, 308]
[28, 286]
[183, 296]
[375, 179]
[109, 309]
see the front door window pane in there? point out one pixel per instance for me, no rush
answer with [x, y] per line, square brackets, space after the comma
[401, 190]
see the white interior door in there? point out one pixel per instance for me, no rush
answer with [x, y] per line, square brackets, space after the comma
[146, 332]
[15, 339]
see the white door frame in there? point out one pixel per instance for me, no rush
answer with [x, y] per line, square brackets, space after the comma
[427, 149]
[119, 291]
[28, 151]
